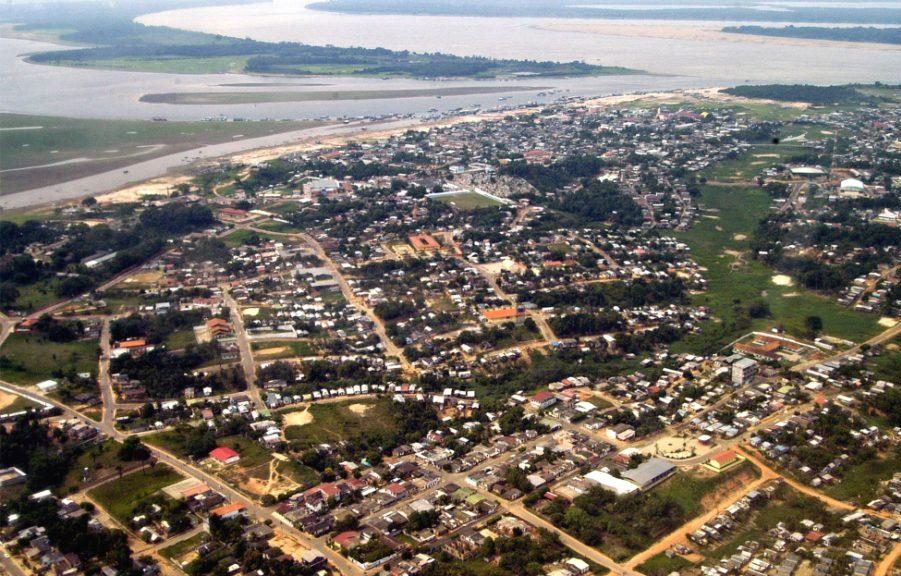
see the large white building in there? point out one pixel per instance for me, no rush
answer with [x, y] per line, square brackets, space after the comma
[616, 485]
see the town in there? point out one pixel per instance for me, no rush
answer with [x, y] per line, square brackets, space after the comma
[647, 338]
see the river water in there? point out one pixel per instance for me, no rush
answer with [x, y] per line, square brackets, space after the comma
[681, 55]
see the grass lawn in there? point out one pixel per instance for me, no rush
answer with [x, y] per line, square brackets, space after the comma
[468, 201]
[252, 452]
[661, 565]
[281, 227]
[303, 475]
[737, 211]
[38, 295]
[752, 163]
[180, 549]
[335, 422]
[169, 440]
[284, 349]
[33, 359]
[688, 489]
[861, 482]
[97, 458]
[600, 403]
[93, 413]
[119, 497]
[180, 339]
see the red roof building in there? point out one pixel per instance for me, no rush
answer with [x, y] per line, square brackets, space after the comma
[224, 455]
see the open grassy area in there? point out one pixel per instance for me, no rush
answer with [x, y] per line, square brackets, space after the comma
[661, 565]
[468, 201]
[120, 496]
[252, 452]
[181, 548]
[28, 359]
[43, 150]
[180, 339]
[750, 164]
[37, 295]
[861, 482]
[169, 440]
[336, 422]
[99, 459]
[274, 349]
[730, 214]
[303, 475]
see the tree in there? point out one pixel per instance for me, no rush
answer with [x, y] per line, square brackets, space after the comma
[132, 449]
[814, 324]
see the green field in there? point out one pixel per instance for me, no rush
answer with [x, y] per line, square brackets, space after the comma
[752, 163]
[661, 565]
[860, 483]
[32, 144]
[336, 422]
[290, 349]
[468, 201]
[28, 359]
[38, 295]
[95, 457]
[181, 548]
[730, 211]
[180, 339]
[252, 452]
[120, 496]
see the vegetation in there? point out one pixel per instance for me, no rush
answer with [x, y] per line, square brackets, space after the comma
[849, 34]
[818, 95]
[28, 358]
[626, 525]
[119, 496]
[29, 141]
[115, 41]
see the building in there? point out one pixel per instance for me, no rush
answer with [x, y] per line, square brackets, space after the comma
[723, 460]
[507, 314]
[229, 511]
[609, 482]
[424, 243]
[621, 432]
[543, 400]
[649, 473]
[224, 455]
[743, 371]
[12, 476]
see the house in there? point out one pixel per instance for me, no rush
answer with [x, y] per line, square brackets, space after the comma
[723, 460]
[229, 511]
[542, 400]
[224, 455]
[621, 432]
